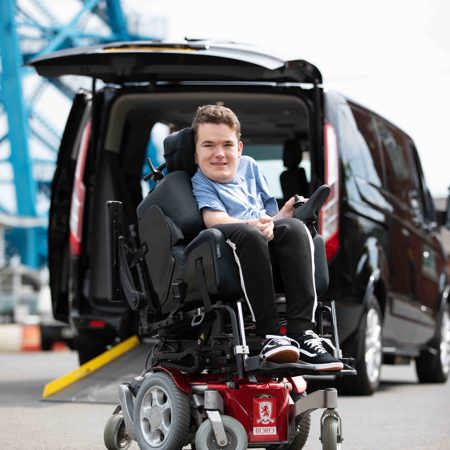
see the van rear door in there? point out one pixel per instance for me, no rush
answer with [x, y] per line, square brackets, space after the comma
[192, 60]
[60, 207]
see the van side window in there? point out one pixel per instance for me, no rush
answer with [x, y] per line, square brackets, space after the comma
[424, 195]
[354, 149]
[401, 173]
[367, 127]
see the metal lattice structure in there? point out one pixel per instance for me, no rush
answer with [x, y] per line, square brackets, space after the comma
[28, 137]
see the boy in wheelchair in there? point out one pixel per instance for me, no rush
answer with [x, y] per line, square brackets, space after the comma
[233, 197]
[188, 283]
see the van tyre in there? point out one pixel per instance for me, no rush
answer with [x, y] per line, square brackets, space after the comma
[433, 366]
[367, 350]
[235, 432]
[161, 414]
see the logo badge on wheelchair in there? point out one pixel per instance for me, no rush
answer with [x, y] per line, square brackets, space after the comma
[264, 413]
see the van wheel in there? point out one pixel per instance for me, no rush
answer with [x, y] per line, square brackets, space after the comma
[434, 366]
[368, 354]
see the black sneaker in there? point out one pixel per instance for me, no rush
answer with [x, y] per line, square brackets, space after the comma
[279, 349]
[312, 351]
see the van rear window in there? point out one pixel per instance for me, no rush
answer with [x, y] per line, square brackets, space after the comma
[270, 160]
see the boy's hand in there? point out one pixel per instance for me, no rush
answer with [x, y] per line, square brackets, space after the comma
[287, 210]
[265, 226]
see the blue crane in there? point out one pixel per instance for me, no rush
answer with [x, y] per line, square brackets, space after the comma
[29, 28]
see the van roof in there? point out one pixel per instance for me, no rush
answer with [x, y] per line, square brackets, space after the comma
[189, 60]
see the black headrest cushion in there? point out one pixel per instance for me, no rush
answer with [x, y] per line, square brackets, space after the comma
[179, 149]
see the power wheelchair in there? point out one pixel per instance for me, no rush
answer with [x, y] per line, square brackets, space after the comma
[203, 383]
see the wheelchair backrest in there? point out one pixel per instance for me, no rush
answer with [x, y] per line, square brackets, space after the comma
[173, 194]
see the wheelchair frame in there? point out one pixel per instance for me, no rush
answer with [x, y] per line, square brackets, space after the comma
[215, 373]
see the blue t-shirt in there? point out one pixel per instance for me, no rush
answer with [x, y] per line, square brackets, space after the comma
[247, 196]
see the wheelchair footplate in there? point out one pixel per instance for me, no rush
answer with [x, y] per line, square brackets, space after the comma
[257, 366]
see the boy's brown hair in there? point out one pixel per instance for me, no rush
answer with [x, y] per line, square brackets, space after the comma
[217, 114]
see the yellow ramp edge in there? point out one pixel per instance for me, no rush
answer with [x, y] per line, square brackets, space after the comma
[91, 366]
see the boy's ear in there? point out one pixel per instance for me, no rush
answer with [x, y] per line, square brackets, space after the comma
[240, 148]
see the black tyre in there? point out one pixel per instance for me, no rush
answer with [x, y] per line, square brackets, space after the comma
[161, 414]
[367, 350]
[329, 433]
[115, 435]
[236, 435]
[434, 367]
[303, 425]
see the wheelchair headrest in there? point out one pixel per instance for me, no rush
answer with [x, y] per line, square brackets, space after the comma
[179, 149]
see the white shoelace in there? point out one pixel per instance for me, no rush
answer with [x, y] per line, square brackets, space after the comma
[314, 342]
[281, 339]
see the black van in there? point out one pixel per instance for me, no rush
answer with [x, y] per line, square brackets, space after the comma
[387, 266]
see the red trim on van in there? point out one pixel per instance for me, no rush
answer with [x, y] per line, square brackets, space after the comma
[329, 214]
[78, 195]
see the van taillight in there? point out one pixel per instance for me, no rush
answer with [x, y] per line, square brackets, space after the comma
[97, 324]
[329, 215]
[77, 205]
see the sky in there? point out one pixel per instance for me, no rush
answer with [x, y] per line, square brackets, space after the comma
[391, 56]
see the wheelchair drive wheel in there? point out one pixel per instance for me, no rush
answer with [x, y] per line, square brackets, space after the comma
[235, 432]
[161, 414]
[115, 435]
[302, 427]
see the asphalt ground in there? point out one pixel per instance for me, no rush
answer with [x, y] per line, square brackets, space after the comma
[402, 415]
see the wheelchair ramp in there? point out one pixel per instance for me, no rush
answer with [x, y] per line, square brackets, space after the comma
[97, 381]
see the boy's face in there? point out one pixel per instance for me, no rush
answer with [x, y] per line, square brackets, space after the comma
[217, 151]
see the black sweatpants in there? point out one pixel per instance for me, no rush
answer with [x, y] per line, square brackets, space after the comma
[291, 255]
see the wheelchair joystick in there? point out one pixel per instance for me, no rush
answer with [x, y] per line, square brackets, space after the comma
[308, 212]
[156, 173]
[299, 201]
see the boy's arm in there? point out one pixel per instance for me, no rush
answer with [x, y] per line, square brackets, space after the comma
[212, 217]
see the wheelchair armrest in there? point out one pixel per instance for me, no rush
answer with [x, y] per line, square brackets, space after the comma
[220, 270]
[209, 237]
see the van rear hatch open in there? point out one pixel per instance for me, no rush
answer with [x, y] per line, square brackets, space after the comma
[192, 60]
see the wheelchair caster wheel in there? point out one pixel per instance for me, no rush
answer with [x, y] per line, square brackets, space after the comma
[235, 432]
[330, 433]
[115, 434]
